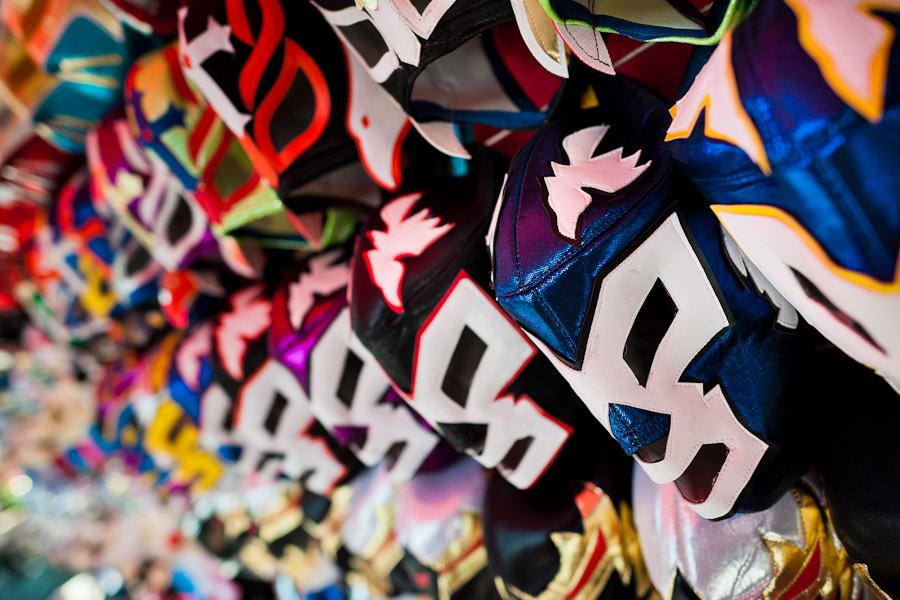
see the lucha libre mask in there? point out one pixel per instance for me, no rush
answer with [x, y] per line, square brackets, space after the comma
[418, 304]
[117, 271]
[800, 165]
[262, 66]
[166, 433]
[142, 193]
[619, 273]
[174, 123]
[88, 269]
[415, 65]
[349, 393]
[257, 405]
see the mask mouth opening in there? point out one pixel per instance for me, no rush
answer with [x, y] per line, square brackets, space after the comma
[515, 455]
[393, 455]
[698, 480]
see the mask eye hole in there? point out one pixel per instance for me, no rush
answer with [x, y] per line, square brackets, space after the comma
[649, 327]
[366, 39]
[349, 378]
[471, 436]
[393, 454]
[137, 261]
[817, 296]
[515, 455]
[180, 223]
[461, 371]
[279, 403]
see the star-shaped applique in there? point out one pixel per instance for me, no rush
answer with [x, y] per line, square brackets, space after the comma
[715, 89]
[856, 72]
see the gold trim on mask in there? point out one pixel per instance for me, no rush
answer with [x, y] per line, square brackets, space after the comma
[833, 576]
[463, 559]
[631, 545]
[299, 563]
[587, 560]
[328, 532]
[256, 556]
[862, 570]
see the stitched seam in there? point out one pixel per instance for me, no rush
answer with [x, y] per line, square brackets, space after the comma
[572, 346]
[534, 29]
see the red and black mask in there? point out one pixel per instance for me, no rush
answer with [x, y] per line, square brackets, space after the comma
[262, 65]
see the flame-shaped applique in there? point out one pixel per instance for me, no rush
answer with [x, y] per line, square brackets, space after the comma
[820, 569]
[856, 72]
[587, 560]
[190, 354]
[322, 278]
[403, 237]
[609, 172]
[248, 318]
[715, 89]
